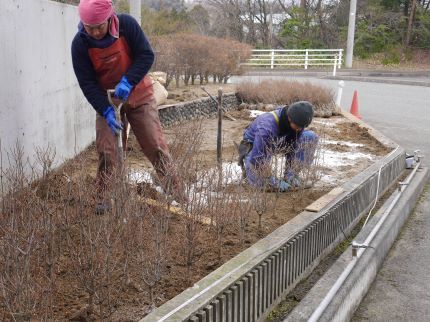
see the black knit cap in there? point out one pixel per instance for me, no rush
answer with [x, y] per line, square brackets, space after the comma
[301, 113]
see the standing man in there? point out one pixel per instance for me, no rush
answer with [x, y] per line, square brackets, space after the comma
[111, 51]
[280, 130]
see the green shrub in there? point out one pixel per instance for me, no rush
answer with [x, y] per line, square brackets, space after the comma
[372, 40]
[421, 33]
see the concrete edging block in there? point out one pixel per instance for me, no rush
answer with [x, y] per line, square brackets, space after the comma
[355, 287]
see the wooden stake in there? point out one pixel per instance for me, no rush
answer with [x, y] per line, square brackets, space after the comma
[219, 134]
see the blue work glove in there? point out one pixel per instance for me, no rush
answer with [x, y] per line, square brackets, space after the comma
[109, 115]
[123, 89]
[283, 186]
[293, 179]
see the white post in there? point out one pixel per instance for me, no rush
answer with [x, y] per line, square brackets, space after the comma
[339, 65]
[306, 59]
[136, 10]
[272, 60]
[351, 32]
[334, 65]
[339, 92]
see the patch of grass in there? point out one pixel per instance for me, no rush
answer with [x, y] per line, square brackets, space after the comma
[282, 309]
[391, 58]
[341, 248]
[427, 187]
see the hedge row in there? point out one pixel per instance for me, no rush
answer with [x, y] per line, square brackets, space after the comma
[190, 57]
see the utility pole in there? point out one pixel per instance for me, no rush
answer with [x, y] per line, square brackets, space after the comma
[136, 10]
[351, 33]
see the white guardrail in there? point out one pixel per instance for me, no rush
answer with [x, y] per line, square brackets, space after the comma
[296, 57]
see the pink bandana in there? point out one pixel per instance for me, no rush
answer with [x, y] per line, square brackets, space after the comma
[94, 12]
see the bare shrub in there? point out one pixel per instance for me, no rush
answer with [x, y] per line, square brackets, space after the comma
[188, 57]
[285, 92]
[92, 244]
[153, 249]
[244, 202]
[27, 227]
[48, 228]
[263, 198]
[227, 203]
[223, 212]
[192, 174]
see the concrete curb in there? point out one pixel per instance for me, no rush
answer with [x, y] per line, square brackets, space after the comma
[340, 72]
[355, 287]
[379, 80]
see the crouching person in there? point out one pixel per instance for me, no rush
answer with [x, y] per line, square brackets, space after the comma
[280, 130]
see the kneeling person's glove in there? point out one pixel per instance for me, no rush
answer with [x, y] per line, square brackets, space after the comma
[293, 180]
[283, 186]
[109, 115]
[123, 89]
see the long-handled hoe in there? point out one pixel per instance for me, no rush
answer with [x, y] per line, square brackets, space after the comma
[117, 109]
[149, 201]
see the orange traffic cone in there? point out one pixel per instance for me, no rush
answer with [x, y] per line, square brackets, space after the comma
[354, 106]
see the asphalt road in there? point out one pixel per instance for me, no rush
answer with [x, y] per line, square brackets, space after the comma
[401, 291]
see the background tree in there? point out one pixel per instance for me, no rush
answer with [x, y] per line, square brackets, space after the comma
[393, 28]
[199, 16]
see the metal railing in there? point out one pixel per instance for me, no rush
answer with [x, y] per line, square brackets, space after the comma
[296, 57]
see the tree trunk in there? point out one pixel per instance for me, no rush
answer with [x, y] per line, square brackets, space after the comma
[406, 8]
[410, 23]
[319, 12]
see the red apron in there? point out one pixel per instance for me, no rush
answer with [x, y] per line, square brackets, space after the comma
[113, 62]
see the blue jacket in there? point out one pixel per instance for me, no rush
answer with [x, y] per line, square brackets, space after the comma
[265, 136]
[263, 133]
[143, 58]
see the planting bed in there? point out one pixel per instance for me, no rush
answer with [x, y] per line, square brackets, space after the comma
[345, 150]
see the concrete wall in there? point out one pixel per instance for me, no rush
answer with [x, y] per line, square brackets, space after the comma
[41, 101]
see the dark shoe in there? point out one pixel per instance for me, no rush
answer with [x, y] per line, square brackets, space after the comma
[243, 149]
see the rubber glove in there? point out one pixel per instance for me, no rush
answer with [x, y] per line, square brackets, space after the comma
[283, 186]
[109, 115]
[123, 89]
[293, 179]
